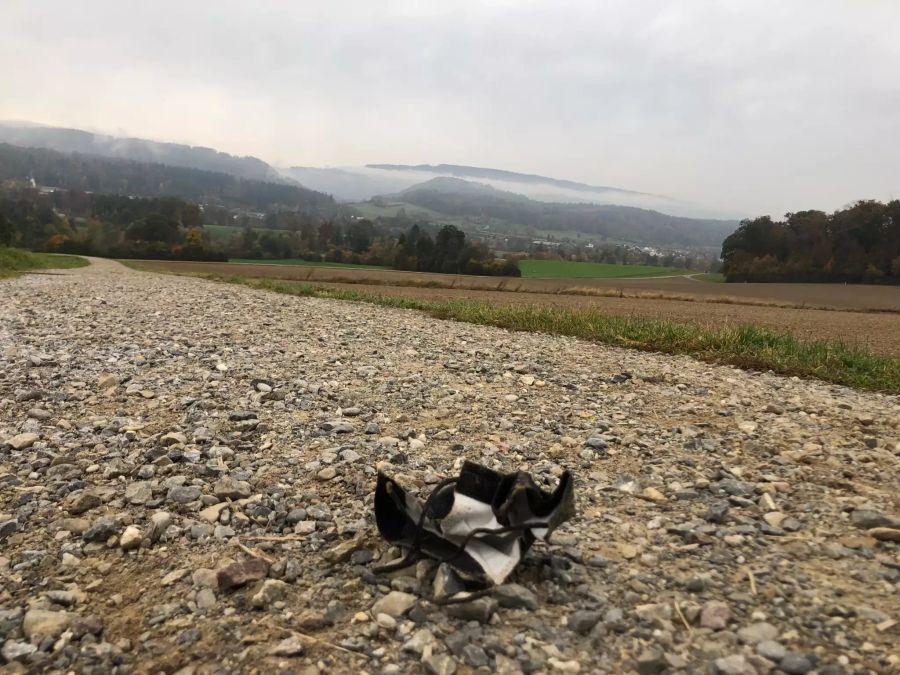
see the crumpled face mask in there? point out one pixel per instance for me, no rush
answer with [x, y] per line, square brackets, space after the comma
[481, 523]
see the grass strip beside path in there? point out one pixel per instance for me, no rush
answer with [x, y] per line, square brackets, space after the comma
[745, 346]
[16, 261]
[300, 262]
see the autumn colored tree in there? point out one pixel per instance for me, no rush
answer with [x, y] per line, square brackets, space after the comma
[859, 244]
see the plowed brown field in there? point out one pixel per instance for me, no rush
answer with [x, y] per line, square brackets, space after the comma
[867, 315]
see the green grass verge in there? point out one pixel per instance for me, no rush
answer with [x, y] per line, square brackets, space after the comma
[221, 232]
[565, 269]
[744, 346]
[15, 261]
[305, 263]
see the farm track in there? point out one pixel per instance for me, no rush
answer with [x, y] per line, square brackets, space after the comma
[158, 432]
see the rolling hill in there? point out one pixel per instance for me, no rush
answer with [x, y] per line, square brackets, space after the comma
[361, 183]
[90, 173]
[137, 149]
[462, 171]
[460, 198]
[495, 198]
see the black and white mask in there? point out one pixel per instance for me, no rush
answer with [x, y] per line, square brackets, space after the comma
[481, 523]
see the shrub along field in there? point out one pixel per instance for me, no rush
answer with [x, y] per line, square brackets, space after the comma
[15, 261]
[563, 269]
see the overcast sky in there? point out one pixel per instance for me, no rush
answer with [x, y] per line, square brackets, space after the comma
[748, 106]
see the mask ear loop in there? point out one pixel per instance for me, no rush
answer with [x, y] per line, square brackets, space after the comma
[415, 547]
[476, 533]
[461, 548]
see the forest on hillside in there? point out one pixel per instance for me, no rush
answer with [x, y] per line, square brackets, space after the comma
[456, 197]
[90, 173]
[859, 244]
[137, 149]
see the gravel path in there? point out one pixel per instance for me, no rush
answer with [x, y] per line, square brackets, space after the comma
[154, 429]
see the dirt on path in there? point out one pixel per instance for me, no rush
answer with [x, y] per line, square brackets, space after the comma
[156, 429]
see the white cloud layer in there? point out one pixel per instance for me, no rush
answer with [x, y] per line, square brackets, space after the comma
[748, 106]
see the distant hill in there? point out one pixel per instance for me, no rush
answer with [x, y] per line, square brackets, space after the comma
[461, 198]
[137, 149]
[501, 175]
[90, 173]
[352, 184]
[361, 183]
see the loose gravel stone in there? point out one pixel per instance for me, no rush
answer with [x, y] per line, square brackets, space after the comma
[394, 604]
[757, 632]
[83, 502]
[229, 488]
[138, 493]
[206, 598]
[582, 621]
[7, 527]
[208, 428]
[14, 651]
[715, 615]
[736, 664]
[23, 441]
[869, 518]
[440, 664]
[651, 662]
[795, 664]
[885, 534]
[131, 538]
[239, 574]
[290, 646]
[515, 596]
[159, 523]
[774, 651]
[480, 610]
[183, 494]
[271, 591]
[101, 530]
[39, 623]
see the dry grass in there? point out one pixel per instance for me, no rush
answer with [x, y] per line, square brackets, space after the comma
[861, 299]
[744, 346]
[685, 297]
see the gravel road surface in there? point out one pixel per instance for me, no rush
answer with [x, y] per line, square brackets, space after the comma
[187, 471]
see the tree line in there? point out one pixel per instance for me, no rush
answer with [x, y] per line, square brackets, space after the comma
[859, 244]
[169, 228]
[420, 248]
[112, 226]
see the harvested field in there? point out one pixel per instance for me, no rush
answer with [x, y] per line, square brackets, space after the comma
[836, 296]
[879, 331]
[306, 263]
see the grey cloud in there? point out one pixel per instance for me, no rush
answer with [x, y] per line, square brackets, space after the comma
[746, 106]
